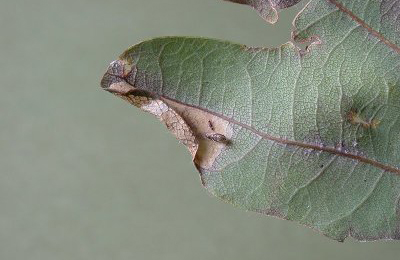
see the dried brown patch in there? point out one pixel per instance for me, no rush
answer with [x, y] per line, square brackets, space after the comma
[205, 135]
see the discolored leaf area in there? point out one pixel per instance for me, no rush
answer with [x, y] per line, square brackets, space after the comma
[267, 9]
[310, 136]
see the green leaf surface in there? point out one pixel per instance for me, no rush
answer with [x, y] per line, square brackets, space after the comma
[311, 136]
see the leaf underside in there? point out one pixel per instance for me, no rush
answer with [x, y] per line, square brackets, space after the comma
[267, 9]
[311, 136]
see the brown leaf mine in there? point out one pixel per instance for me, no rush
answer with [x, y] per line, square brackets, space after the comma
[198, 122]
[189, 124]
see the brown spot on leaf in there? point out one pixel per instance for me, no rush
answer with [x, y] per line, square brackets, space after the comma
[191, 126]
[218, 138]
[198, 122]
[355, 118]
[211, 125]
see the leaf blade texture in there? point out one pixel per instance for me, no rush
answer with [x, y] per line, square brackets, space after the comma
[267, 9]
[309, 136]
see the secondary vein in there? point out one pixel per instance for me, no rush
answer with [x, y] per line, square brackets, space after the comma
[365, 25]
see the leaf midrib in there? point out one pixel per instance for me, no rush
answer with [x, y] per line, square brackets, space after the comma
[332, 150]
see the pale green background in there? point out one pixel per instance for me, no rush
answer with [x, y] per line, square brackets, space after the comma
[86, 176]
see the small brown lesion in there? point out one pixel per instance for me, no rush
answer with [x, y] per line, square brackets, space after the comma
[356, 119]
[219, 138]
[211, 125]
[216, 137]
